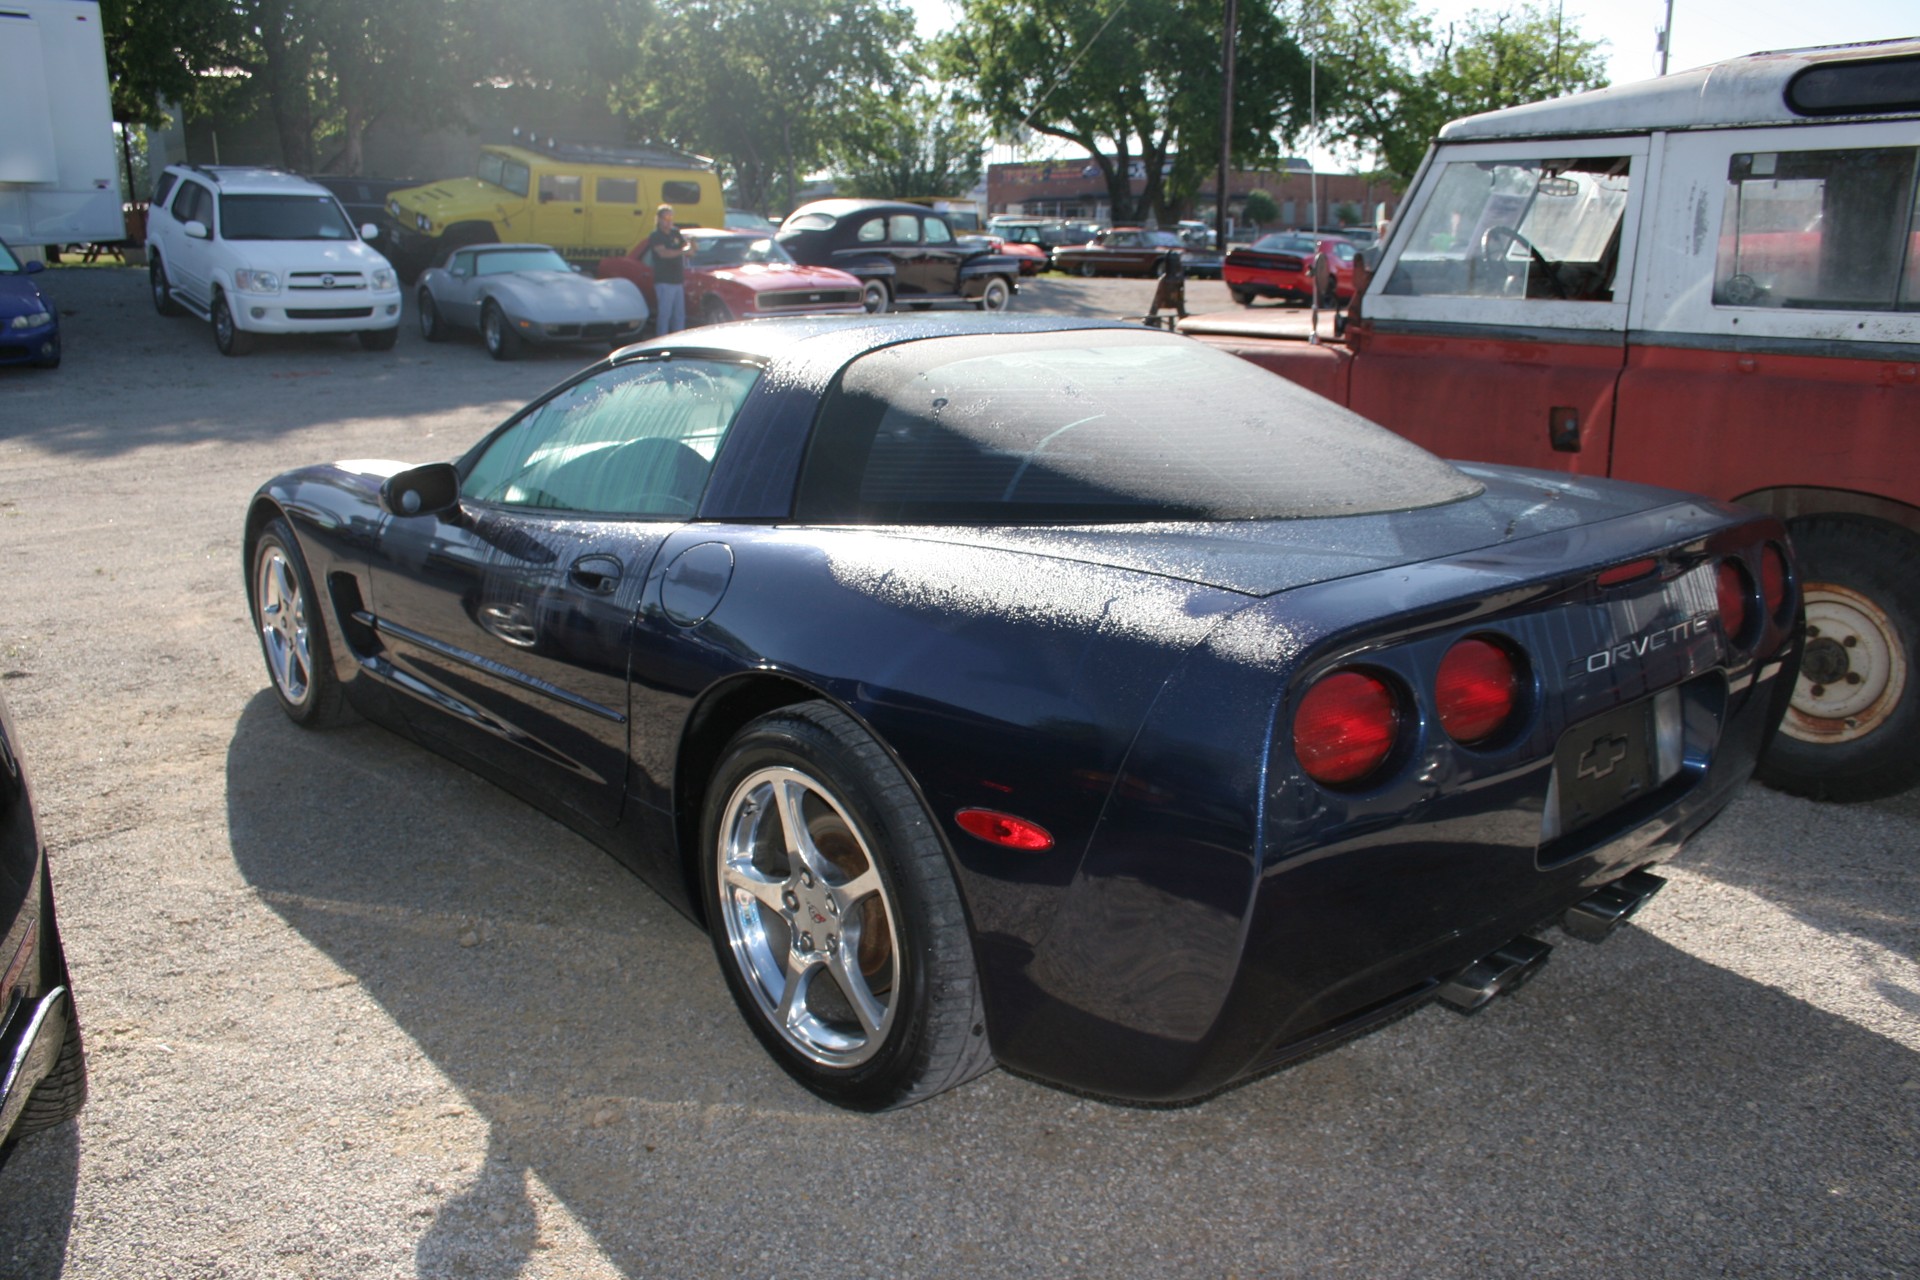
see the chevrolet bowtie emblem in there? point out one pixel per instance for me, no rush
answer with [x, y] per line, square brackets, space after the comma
[1600, 759]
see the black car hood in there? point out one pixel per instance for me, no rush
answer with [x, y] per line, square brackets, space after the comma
[1261, 557]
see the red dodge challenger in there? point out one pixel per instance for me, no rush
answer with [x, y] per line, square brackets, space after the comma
[1281, 266]
[735, 275]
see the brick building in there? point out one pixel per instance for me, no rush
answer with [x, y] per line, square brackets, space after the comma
[1074, 188]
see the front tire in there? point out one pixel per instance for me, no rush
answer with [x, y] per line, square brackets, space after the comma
[497, 332]
[228, 337]
[1852, 729]
[293, 631]
[834, 916]
[1088, 270]
[432, 327]
[714, 311]
[997, 296]
[876, 297]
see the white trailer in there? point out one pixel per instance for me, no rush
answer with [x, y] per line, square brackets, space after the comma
[59, 174]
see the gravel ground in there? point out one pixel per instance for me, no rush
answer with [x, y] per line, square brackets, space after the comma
[353, 1013]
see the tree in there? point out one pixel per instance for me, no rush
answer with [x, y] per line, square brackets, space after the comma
[160, 49]
[766, 86]
[1136, 83]
[1389, 81]
[923, 146]
[1259, 208]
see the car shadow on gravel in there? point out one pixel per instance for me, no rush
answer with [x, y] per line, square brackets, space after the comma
[38, 1185]
[1634, 1112]
[154, 380]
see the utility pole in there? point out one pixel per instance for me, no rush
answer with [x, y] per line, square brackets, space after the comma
[1666, 39]
[1226, 123]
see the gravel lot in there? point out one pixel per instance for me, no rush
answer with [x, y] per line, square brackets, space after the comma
[353, 1013]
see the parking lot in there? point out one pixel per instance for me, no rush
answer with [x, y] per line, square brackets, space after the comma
[351, 1012]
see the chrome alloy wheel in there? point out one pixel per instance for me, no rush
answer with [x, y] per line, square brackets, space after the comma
[283, 625]
[808, 919]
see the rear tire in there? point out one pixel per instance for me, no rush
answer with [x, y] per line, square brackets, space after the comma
[849, 956]
[1852, 729]
[997, 295]
[876, 297]
[162, 289]
[1242, 297]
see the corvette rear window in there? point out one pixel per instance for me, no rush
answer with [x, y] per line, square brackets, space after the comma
[1096, 426]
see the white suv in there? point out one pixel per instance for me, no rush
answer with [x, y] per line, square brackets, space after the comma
[265, 251]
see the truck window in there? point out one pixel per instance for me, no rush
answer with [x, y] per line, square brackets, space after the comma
[678, 192]
[515, 176]
[1823, 230]
[617, 190]
[563, 188]
[1519, 229]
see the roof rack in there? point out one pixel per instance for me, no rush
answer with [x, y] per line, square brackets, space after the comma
[650, 155]
[213, 172]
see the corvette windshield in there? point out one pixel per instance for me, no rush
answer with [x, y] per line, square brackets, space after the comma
[1100, 425]
[283, 218]
[498, 262]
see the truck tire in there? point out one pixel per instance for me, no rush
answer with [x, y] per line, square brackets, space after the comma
[1852, 729]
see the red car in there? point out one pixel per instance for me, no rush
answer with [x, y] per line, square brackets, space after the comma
[1032, 257]
[1281, 266]
[734, 275]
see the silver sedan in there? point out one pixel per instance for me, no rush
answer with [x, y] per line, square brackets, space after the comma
[521, 293]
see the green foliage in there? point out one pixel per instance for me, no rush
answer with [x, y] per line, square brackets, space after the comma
[924, 146]
[1390, 80]
[160, 49]
[1260, 208]
[768, 86]
[1136, 83]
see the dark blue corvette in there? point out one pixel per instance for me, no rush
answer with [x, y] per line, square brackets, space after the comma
[29, 325]
[1065, 695]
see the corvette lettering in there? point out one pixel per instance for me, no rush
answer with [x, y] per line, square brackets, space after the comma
[1640, 646]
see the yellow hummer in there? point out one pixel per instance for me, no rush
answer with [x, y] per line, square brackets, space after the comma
[587, 201]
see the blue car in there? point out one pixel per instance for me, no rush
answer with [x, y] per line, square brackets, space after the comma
[29, 325]
[1050, 693]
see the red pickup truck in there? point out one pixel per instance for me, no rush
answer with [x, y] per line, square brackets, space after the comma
[1709, 281]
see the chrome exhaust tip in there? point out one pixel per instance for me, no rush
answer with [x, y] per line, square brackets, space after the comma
[1595, 917]
[1501, 971]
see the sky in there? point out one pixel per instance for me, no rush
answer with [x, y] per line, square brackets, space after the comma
[1703, 30]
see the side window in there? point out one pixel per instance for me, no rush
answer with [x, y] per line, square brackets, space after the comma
[678, 192]
[162, 189]
[515, 176]
[561, 188]
[617, 190]
[1546, 229]
[904, 228]
[462, 264]
[1820, 230]
[938, 232]
[638, 440]
[872, 231]
[191, 203]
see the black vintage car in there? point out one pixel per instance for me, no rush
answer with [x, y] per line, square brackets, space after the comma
[905, 255]
[43, 1077]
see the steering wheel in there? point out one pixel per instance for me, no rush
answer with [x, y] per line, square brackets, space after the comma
[1497, 241]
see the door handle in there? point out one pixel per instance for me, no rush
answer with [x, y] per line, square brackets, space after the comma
[597, 575]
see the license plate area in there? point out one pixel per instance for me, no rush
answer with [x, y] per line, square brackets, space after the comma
[1604, 764]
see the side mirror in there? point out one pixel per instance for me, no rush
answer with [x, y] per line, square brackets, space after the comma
[197, 229]
[431, 490]
[32, 266]
[368, 231]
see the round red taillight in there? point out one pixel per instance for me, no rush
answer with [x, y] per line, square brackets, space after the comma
[1345, 727]
[1477, 690]
[1736, 596]
[1004, 829]
[1773, 579]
